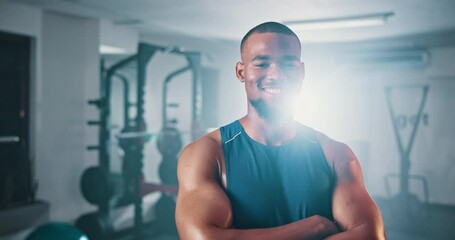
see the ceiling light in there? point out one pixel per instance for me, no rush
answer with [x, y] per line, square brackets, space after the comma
[105, 49]
[340, 22]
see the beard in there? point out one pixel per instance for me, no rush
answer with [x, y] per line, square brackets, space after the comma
[270, 113]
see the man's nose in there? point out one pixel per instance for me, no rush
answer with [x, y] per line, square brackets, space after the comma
[276, 72]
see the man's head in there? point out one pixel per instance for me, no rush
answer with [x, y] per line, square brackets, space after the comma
[268, 27]
[271, 69]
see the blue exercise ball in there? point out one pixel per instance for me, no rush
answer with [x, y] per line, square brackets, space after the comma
[56, 231]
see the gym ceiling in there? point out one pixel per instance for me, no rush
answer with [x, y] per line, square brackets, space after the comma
[228, 20]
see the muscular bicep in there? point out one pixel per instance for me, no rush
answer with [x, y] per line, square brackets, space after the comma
[352, 205]
[201, 204]
[199, 211]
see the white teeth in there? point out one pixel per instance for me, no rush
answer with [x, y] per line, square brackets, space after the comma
[272, 90]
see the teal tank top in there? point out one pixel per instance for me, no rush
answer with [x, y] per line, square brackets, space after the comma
[270, 186]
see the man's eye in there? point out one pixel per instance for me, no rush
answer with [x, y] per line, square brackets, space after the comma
[262, 65]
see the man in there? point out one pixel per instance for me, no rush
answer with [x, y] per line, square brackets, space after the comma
[266, 176]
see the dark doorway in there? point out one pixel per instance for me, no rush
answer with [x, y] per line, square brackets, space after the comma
[16, 182]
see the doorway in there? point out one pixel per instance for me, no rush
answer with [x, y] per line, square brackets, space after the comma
[16, 181]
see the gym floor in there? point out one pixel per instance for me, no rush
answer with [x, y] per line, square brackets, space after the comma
[423, 222]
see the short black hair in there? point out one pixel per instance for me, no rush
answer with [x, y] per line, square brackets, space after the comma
[268, 27]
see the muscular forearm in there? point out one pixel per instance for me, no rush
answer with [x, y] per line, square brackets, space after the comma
[360, 232]
[311, 228]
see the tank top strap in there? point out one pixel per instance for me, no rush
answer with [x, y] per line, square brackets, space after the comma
[307, 133]
[230, 131]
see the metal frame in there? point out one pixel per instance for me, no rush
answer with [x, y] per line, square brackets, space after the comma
[135, 154]
[405, 151]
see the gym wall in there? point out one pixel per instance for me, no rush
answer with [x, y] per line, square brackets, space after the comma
[70, 77]
[64, 75]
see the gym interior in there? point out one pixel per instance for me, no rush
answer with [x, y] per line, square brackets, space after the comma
[98, 98]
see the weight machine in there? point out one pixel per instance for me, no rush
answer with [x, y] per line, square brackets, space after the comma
[406, 201]
[107, 190]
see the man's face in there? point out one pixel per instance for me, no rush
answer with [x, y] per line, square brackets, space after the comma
[272, 72]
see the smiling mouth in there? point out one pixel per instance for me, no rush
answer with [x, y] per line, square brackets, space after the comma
[272, 90]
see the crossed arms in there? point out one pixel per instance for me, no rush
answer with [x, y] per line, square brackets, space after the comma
[204, 212]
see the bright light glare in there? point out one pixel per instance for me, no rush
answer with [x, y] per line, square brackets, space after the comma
[315, 108]
[105, 49]
[340, 22]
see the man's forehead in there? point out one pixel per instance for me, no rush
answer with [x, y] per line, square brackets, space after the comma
[267, 36]
[269, 41]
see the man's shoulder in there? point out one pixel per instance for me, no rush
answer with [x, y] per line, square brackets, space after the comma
[209, 143]
[316, 135]
[328, 142]
[334, 150]
[212, 138]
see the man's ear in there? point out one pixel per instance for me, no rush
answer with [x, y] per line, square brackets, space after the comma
[240, 71]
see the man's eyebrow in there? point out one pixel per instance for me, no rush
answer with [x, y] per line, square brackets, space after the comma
[261, 57]
[290, 58]
[267, 57]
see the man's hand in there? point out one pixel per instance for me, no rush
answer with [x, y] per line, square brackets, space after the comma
[327, 227]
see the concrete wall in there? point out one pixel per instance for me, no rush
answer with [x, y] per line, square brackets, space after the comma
[64, 75]
[123, 38]
[70, 77]
[20, 19]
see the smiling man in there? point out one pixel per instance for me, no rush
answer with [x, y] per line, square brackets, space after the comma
[266, 176]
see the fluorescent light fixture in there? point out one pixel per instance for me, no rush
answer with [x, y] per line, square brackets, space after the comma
[374, 19]
[105, 49]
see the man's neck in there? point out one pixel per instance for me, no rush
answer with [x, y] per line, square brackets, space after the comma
[269, 132]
